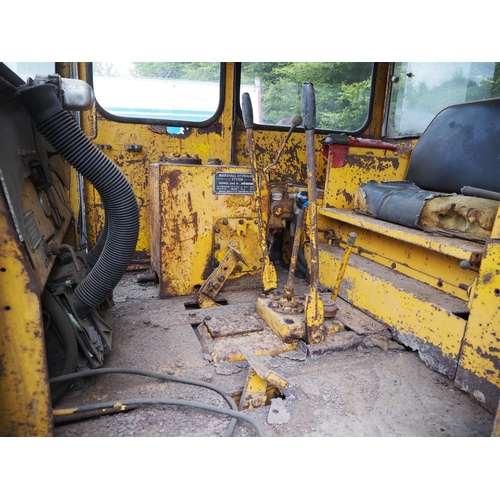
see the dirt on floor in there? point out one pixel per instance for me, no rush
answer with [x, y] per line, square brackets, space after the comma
[365, 390]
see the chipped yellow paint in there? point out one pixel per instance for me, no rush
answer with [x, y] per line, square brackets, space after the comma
[480, 354]
[184, 216]
[64, 411]
[411, 252]
[362, 165]
[405, 310]
[460, 249]
[24, 389]
[495, 231]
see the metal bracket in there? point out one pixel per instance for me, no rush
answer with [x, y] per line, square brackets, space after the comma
[260, 380]
[213, 284]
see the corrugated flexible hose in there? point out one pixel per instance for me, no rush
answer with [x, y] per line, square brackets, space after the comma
[122, 214]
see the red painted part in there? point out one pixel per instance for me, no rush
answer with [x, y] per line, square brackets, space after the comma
[371, 143]
[336, 153]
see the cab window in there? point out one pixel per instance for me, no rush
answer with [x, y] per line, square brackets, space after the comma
[181, 92]
[420, 90]
[342, 92]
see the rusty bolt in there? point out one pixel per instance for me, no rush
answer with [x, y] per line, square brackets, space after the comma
[393, 265]
[221, 277]
[256, 402]
[238, 269]
[217, 246]
[261, 260]
[241, 221]
[217, 230]
[224, 222]
[215, 285]
[254, 267]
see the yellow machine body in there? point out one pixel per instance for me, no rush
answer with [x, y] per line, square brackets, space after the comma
[192, 216]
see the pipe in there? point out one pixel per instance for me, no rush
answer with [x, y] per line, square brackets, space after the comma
[161, 376]
[95, 253]
[60, 129]
[480, 193]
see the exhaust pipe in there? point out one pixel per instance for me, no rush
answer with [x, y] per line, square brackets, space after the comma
[122, 213]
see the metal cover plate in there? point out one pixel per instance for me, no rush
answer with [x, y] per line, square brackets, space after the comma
[236, 324]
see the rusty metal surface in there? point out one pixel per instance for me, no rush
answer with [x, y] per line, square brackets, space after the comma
[24, 388]
[228, 348]
[236, 324]
[286, 319]
[185, 214]
[288, 292]
[214, 283]
[420, 316]
[243, 234]
[479, 367]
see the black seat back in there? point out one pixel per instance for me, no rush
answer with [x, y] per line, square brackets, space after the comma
[460, 147]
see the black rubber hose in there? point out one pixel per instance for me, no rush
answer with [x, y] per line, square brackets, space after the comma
[162, 376]
[156, 401]
[95, 253]
[122, 213]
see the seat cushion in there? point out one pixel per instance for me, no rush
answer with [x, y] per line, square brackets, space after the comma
[404, 203]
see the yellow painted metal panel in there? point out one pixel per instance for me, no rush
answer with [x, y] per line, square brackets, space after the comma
[392, 250]
[185, 215]
[25, 408]
[479, 370]
[157, 144]
[423, 315]
[461, 249]
[362, 165]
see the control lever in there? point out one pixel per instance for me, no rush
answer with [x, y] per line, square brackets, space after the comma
[269, 275]
[315, 331]
[296, 121]
[302, 203]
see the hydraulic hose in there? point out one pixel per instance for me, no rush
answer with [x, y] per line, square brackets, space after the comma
[155, 401]
[122, 214]
[162, 376]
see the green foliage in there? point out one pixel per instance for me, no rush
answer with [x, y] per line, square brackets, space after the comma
[342, 91]
[424, 89]
[198, 71]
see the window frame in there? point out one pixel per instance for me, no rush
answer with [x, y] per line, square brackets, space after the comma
[388, 131]
[161, 121]
[262, 126]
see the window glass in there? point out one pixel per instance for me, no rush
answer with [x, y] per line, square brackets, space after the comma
[342, 92]
[421, 90]
[186, 92]
[30, 69]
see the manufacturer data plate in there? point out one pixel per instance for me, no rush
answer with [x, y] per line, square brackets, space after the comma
[233, 183]
[32, 232]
